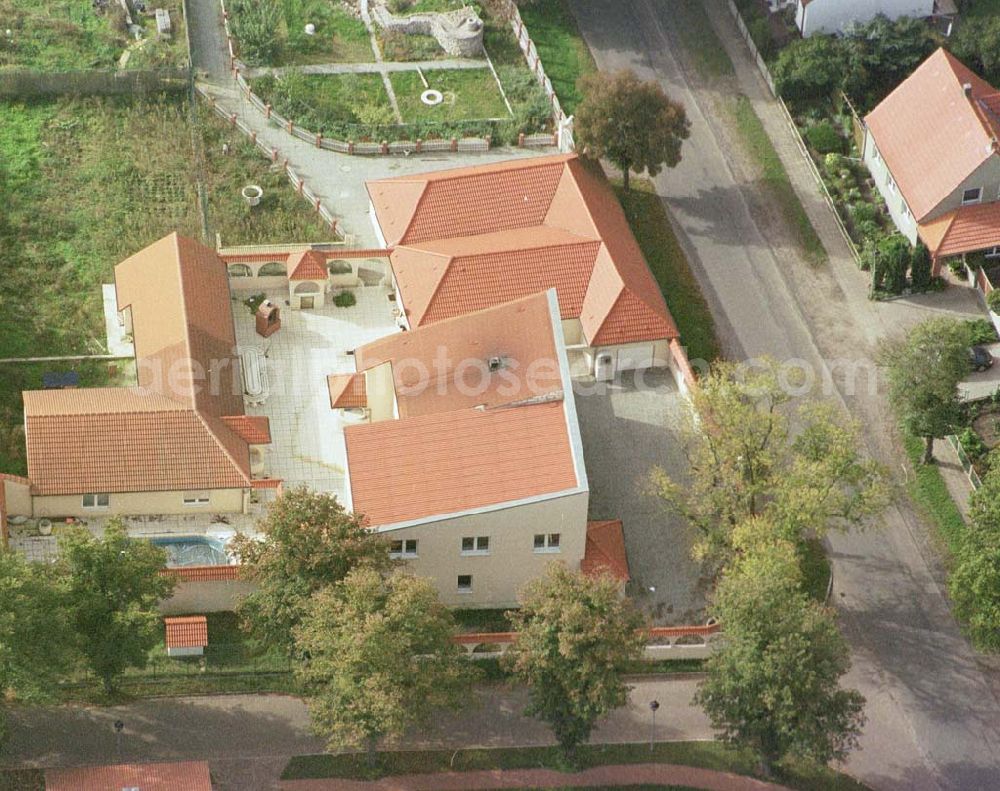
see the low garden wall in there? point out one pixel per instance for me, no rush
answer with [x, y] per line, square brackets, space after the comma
[205, 589]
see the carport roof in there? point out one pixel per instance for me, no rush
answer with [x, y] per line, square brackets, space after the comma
[182, 776]
[964, 230]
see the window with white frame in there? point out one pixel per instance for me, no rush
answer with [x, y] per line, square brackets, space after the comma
[993, 252]
[476, 545]
[465, 583]
[403, 548]
[875, 154]
[890, 182]
[546, 542]
[906, 210]
[96, 500]
[197, 498]
[973, 195]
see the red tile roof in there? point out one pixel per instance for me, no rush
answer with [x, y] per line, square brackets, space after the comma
[963, 230]
[931, 135]
[189, 631]
[183, 776]
[307, 265]
[474, 237]
[168, 433]
[252, 429]
[605, 550]
[347, 391]
[460, 444]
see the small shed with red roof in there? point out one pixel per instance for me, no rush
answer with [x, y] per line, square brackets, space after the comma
[186, 635]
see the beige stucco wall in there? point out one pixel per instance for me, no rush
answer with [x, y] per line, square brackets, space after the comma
[201, 597]
[17, 498]
[139, 503]
[497, 577]
[986, 176]
[381, 392]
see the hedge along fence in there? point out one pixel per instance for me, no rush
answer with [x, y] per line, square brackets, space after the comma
[799, 142]
[25, 82]
[369, 148]
[274, 155]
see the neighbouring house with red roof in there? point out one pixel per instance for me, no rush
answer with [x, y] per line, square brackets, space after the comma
[466, 239]
[471, 461]
[835, 16]
[932, 148]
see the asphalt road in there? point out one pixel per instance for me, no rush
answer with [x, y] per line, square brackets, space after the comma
[933, 717]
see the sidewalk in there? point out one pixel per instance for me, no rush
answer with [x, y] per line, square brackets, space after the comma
[601, 776]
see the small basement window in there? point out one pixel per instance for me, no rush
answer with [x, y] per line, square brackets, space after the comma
[197, 498]
[465, 583]
[96, 500]
[973, 195]
[476, 545]
[546, 542]
[403, 548]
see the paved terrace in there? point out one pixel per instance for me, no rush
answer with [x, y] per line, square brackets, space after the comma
[307, 435]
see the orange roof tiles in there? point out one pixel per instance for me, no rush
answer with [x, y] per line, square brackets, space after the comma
[472, 238]
[461, 442]
[347, 391]
[448, 462]
[604, 552]
[307, 265]
[168, 433]
[252, 429]
[182, 776]
[189, 631]
[931, 135]
[963, 230]
[445, 366]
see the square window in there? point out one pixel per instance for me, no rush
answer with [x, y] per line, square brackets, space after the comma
[96, 500]
[553, 540]
[539, 541]
[403, 548]
[465, 583]
[483, 544]
[468, 544]
[971, 196]
[547, 542]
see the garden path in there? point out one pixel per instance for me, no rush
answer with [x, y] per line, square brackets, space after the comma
[369, 68]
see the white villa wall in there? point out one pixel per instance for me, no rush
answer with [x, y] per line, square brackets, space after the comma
[139, 504]
[986, 177]
[834, 16]
[903, 219]
[511, 562]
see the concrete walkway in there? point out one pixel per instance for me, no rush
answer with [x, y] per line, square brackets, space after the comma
[370, 68]
[598, 777]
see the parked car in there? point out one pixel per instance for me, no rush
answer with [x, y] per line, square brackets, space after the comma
[980, 358]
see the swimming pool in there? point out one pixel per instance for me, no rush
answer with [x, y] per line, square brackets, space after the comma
[193, 550]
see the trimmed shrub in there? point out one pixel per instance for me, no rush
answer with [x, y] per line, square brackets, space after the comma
[894, 260]
[993, 300]
[920, 266]
[981, 331]
[345, 299]
[823, 138]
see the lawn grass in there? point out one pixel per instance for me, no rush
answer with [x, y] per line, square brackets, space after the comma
[70, 35]
[929, 490]
[561, 47]
[328, 103]
[704, 754]
[651, 226]
[468, 94]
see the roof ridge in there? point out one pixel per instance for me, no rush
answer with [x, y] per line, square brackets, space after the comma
[175, 237]
[414, 213]
[222, 446]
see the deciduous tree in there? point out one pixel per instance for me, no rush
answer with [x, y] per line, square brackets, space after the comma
[34, 631]
[113, 587]
[310, 541]
[576, 636]
[378, 657]
[745, 460]
[924, 368]
[809, 69]
[630, 122]
[773, 686]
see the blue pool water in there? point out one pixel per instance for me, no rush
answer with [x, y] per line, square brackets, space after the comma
[193, 550]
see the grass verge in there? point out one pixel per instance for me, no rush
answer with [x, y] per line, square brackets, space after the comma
[651, 226]
[775, 179]
[561, 47]
[929, 490]
[704, 754]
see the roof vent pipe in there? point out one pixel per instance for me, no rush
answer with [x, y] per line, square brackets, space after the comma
[967, 87]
